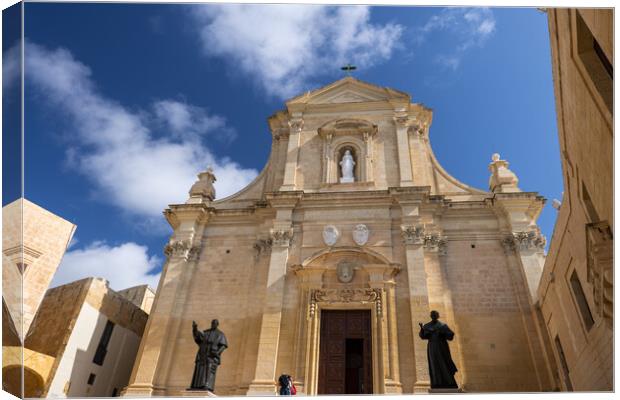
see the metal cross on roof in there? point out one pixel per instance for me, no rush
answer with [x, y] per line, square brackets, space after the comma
[349, 68]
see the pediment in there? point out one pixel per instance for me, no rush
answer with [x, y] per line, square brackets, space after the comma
[348, 90]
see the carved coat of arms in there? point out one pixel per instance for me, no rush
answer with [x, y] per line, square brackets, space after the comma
[360, 234]
[345, 271]
[330, 235]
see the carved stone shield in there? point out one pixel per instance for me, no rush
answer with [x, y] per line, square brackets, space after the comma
[345, 271]
[330, 235]
[360, 234]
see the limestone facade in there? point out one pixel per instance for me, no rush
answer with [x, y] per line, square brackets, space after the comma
[271, 259]
[576, 289]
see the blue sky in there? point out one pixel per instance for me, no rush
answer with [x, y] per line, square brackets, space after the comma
[125, 103]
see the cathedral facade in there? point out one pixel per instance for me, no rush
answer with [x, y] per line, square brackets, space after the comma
[324, 266]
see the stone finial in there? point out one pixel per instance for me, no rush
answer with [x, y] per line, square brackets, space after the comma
[203, 191]
[502, 179]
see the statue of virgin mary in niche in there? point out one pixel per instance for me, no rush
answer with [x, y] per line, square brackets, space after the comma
[346, 164]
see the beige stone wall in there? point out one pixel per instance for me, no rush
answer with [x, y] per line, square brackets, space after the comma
[587, 164]
[257, 260]
[142, 296]
[37, 239]
[56, 318]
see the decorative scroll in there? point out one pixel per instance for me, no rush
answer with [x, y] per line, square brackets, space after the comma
[296, 124]
[401, 121]
[182, 248]
[436, 242]
[330, 296]
[412, 234]
[281, 238]
[262, 246]
[599, 246]
[509, 245]
[530, 240]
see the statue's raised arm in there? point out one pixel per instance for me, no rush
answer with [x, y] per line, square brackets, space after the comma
[198, 336]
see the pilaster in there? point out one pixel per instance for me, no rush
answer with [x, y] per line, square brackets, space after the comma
[281, 235]
[401, 121]
[150, 372]
[292, 155]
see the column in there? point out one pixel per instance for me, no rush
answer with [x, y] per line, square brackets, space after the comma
[292, 153]
[404, 154]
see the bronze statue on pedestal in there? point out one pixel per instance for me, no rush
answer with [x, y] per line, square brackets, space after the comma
[211, 343]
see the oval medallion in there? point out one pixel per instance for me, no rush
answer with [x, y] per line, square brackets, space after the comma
[360, 234]
[330, 235]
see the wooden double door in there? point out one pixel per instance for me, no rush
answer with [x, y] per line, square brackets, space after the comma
[345, 355]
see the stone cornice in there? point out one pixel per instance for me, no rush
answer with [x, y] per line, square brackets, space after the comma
[177, 213]
[284, 199]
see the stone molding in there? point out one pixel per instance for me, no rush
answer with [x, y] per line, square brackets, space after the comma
[280, 237]
[182, 249]
[330, 296]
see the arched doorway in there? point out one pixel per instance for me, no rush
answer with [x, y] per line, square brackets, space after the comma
[12, 381]
[350, 292]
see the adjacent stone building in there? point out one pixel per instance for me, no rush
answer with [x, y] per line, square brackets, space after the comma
[34, 241]
[83, 341]
[576, 290]
[308, 272]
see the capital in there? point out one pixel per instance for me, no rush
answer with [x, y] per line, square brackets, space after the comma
[296, 124]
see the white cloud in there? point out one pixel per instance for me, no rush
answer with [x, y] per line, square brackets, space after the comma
[285, 47]
[187, 121]
[11, 67]
[468, 27]
[118, 150]
[123, 266]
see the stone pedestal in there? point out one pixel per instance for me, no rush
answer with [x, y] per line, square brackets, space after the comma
[445, 391]
[196, 393]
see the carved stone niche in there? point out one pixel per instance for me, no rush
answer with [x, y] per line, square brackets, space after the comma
[600, 246]
[355, 135]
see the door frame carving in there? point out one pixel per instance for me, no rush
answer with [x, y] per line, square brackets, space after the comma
[344, 299]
